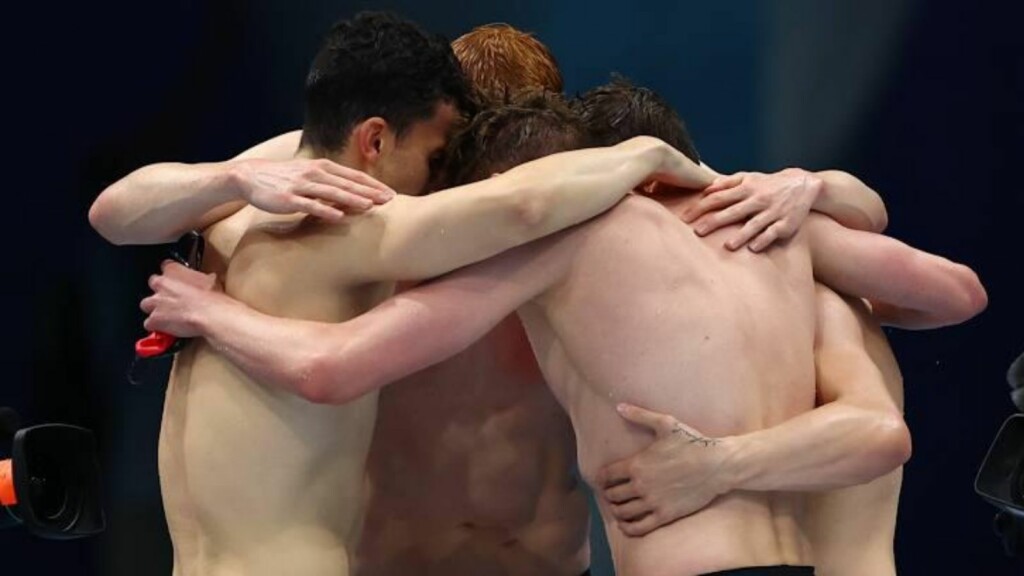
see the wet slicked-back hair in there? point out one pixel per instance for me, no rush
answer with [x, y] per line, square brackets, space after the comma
[377, 64]
[501, 61]
[619, 111]
[532, 125]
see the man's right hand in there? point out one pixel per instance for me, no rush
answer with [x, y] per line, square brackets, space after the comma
[318, 187]
[180, 297]
[679, 474]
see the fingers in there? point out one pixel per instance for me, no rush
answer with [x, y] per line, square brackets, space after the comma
[615, 473]
[148, 304]
[713, 202]
[156, 323]
[172, 267]
[621, 493]
[318, 209]
[768, 237]
[643, 526]
[374, 189]
[724, 183]
[631, 511]
[752, 228]
[661, 424]
[736, 213]
[175, 271]
[339, 191]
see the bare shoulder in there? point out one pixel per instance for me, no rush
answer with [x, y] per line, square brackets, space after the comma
[629, 212]
[332, 252]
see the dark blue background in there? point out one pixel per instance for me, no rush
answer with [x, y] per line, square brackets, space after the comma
[923, 100]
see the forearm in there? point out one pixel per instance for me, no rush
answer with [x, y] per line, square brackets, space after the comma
[952, 294]
[334, 363]
[833, 446]
[569, 188]
[275, 352]
[850, 202]
[158, 203]
[460, 226]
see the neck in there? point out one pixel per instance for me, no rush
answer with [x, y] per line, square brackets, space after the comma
[343, 157]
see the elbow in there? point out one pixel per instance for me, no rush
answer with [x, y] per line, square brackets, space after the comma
[881, 218]
[977, 297]
[972, 299]
[102, 221]
[530, 212]
[529, 215]
[323, 379]
[893, 446]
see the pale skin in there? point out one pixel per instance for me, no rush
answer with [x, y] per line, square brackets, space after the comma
[343, 371]
[219, 424]
[158, 203]
[856, 434]
[490, 532]
[476, 536]
[783, 198]
[472, 460]
[869, 509]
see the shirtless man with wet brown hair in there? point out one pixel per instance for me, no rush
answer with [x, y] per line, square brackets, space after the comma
[610, 323]
[256, 481]
[484, 522]
[860, 396]
[860, 393]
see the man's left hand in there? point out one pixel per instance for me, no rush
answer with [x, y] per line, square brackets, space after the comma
[773, 206]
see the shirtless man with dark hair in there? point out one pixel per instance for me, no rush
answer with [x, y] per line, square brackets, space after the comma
[493, 514]
[860, 391]
[610, 324]
[223, 428]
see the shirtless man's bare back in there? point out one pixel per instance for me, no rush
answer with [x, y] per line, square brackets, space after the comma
[222, 429]
[635, 352]
[850, 528]
[502, 432]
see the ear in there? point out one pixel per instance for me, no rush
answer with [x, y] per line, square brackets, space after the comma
[370, 138]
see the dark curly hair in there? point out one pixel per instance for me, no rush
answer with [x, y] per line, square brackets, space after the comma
[530, 125]
[619, 111]
[378, 64]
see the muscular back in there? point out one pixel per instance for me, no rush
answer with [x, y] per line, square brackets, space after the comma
[652, 315]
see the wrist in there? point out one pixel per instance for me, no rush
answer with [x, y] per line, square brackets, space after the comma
[737, 467]
[652, 151]
[207, 312]
[230, 181]
[813, 184]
